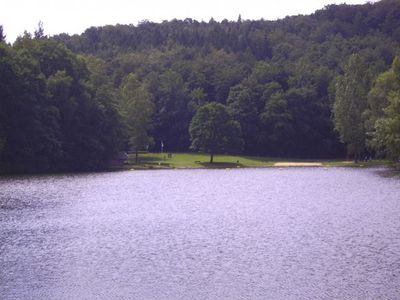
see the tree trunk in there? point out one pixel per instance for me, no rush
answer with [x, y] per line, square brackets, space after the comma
[212, 158]
[136, 157]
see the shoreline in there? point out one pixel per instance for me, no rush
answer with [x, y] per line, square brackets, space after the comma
[157, 161]
[189, 161]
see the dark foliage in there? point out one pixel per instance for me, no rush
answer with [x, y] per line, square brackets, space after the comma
[59, 95]
[277, 78]
[50, 117]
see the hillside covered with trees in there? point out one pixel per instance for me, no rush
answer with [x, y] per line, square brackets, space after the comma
[317, 86]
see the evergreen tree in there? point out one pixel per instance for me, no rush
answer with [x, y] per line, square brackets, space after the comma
[2, 35]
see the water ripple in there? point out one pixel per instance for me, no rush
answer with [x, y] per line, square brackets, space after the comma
[204, 234]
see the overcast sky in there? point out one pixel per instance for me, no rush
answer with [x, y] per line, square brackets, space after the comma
[74, 16]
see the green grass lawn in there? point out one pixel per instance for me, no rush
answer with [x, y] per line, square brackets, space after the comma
[199, 160]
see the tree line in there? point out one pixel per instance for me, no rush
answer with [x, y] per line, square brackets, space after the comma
[56, 110]
[315, 86]
[367, 112]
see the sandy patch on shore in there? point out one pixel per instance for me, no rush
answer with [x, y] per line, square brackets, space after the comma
[298, 164]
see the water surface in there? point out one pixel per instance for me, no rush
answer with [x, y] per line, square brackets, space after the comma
[297, 233]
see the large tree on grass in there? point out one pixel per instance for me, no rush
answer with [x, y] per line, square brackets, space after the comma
[350, 105]
[213, 130]
[136, 109]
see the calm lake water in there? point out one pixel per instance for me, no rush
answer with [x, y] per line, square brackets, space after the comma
[297, 233]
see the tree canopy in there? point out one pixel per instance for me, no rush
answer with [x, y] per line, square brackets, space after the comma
[51, 117]
[136, 109]
[385, 136]
[277, 78]
[303, 86]
[212, 130]
[350, 104]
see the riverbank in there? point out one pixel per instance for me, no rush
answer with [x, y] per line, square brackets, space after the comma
[199, 160]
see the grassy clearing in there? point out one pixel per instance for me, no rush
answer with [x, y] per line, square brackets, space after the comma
[200, 160]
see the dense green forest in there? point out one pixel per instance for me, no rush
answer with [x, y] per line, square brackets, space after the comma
[317, 86]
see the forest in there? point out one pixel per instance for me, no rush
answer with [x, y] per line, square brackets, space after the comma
[325, 85]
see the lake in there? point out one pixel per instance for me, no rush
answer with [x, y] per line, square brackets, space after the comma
[295, 233]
